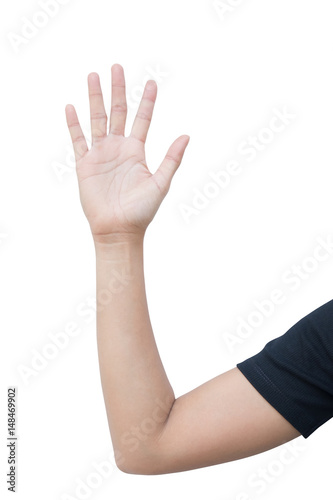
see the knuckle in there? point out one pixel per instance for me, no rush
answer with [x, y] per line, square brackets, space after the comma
[98, 133]
[116, 131]
[119, 108]
[98, 116]
[78, 139]
[172, 158]
[143, 116]
[137, 138]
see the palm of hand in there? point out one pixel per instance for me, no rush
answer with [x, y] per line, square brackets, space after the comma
[118, 193]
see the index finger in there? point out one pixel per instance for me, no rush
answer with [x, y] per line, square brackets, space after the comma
[143, 117]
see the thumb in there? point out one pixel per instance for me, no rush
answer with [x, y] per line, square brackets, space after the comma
[164, 174]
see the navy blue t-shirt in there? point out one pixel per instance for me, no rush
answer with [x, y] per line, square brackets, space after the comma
[294, 372]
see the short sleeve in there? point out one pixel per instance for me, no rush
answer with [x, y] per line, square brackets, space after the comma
[294, 372]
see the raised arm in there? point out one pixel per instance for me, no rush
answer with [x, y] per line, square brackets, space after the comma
[151, 431]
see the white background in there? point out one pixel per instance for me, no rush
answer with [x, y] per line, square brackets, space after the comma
[219, 78]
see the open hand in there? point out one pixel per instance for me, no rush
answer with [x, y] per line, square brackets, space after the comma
[118, 193]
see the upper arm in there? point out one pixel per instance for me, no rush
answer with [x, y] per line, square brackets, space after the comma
[222, 420]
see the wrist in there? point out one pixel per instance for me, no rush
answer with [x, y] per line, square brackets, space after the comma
[109, 239]
[122, 244]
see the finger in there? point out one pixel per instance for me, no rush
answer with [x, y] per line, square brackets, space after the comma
[143, 117]
[98, 116]
[78, 139]
[163, 176]
[118, 101]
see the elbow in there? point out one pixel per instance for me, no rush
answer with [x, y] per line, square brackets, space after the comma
[144, 457]
[133, 469]
[128, 466]
[139, 467]
[147, 463]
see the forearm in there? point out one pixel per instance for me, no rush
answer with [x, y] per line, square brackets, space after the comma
[137, 392]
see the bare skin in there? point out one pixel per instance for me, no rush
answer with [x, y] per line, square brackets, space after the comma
[152, 432]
